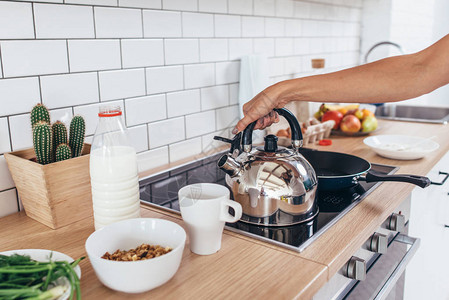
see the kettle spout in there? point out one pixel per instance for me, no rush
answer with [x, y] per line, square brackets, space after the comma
[229, 165]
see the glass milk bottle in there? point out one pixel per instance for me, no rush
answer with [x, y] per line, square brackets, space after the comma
[113, 170]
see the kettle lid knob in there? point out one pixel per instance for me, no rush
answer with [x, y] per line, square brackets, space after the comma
[271, 144]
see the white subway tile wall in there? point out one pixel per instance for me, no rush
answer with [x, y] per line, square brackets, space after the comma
[164, 79]
[20, 132]
[233, 93]
[213, 50]
[172, 65]
[18, 95]
[152, 159]
[34, 57]
[240, 7]
[181, 51]
[64, 115]
[94, 55]
[141, 3]
[6, 182]
[183, 103]
[69, 89]
[227, 72]
[188, 5]
[166, 132]
[185, 149]
[217, 6]
[8, 202]
[227, 26]
[118, 22]
[199, 75]
[214, 97]
[145, 109]
[162, 23]
[251, 26]
[121, 84]
[197, 25]
[16, 20]
[63, 21]
[139, 137]
[200, 123]
[142, 53]
[5, 145]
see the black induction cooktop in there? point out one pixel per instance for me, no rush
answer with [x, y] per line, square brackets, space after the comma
[162, 190]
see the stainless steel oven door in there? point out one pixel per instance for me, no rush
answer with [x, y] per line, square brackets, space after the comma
[385, 274]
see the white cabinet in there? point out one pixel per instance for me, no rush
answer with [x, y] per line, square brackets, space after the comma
[427, 274]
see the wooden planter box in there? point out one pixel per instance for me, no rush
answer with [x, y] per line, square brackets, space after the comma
[56, 194]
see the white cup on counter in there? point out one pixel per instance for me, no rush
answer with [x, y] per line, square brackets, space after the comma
[205, 209]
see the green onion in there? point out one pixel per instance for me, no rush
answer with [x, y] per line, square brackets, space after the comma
[23, 278]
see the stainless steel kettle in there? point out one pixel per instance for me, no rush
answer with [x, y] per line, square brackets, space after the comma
[276, 186]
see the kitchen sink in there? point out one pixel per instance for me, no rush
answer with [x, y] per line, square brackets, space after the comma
[425, 114]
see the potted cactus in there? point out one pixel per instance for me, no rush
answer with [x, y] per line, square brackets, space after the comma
[52, 178]
[50, 141]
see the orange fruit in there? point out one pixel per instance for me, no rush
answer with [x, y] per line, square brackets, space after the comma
[343, 110]
[367, 113]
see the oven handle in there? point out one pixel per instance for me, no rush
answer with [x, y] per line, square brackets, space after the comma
[400, 268]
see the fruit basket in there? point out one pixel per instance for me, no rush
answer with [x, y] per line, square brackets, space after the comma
[350, 120]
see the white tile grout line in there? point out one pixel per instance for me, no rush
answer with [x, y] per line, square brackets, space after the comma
[121, 55]
[145, 77]
[34, 21]
[148, 135]
[17, 199]
[98, 84]
[68, 56]
[143, 26]
[1, 63]
[9, 189]
[9, 133]
[40, 89]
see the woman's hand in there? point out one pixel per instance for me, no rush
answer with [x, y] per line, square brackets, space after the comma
[261, 107]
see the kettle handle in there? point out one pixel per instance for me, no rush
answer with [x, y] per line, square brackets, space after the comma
[247, 137]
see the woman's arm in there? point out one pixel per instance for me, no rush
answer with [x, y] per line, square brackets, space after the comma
[387, 80]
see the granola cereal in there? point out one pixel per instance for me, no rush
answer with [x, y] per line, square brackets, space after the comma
[142, 252]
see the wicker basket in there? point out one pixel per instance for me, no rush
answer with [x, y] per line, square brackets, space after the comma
[56, 194]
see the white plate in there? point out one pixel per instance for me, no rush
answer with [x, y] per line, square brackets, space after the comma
[401, 147]
[43, 255]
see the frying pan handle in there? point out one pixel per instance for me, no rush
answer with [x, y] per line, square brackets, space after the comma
[247, 138]
[420, 181]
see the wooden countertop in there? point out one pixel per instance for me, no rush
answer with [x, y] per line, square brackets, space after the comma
[245, 268]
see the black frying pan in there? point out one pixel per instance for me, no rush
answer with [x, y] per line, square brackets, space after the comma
[337, 171]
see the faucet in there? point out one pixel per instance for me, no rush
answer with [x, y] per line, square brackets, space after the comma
[365, 60]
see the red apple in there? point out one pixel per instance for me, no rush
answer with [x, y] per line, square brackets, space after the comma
[350, 123]
[333, 115]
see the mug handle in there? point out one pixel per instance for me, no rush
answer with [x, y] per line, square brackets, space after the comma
[226, 216]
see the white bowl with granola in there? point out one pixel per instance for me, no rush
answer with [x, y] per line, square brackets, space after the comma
[136, 255]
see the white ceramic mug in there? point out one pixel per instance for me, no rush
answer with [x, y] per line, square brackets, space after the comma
[204, 209]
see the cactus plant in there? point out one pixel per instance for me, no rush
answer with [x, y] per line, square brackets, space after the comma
[63, 152]
[46, 139]
[76, 139]
[59, 134]
[42, 140]
[39, 113]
